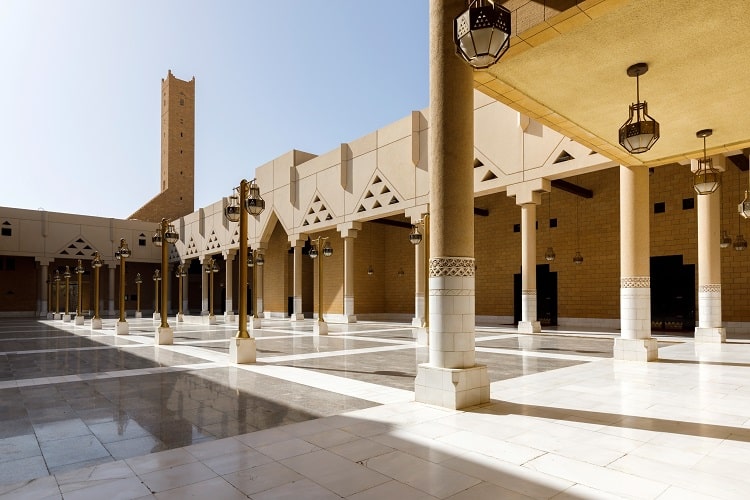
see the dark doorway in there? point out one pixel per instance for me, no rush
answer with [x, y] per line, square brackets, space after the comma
[672, 294]
[546, 299]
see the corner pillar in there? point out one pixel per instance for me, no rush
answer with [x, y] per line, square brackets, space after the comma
[228, 286]
[709, 327]
[348, 232]
[297, 241]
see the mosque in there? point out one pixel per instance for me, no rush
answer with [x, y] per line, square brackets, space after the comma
[510, 206]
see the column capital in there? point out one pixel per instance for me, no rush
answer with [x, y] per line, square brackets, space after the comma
[297, 239]
[529, 191]
[45, 261]
[349, 229]
[229, 254]
[416, 213]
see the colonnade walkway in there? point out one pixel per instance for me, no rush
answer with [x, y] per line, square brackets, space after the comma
[90, 415]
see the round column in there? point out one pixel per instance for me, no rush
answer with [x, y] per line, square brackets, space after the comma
[709, 327]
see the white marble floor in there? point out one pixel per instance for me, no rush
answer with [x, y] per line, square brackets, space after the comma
[678, 428]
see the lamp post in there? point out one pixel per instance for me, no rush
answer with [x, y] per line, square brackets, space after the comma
[164, 236]
[416, 238]
[157, 279]
[96, 321]
[57, 294]
[122, 253]
[66, 275]
[320, 327]
[79, 308]
[180, 273]
[138, 282]
[242, 347]
[212, 267]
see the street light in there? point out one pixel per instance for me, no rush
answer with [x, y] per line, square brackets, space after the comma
[67, 275]
[96, 263]
[180, 273]
[242, 348]
[57, 294]
[79, 308]
[122, 253]
[157, 278]
[320, 327]
[138, 282]
[211, 267]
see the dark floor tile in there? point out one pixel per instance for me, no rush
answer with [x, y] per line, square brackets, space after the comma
[60, 429]
[18, 427]
[23, 470]
[72, 450]
[18, 447]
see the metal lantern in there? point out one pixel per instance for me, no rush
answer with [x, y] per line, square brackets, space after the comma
[156, 238]
[254, 203]
[327, 250]
[482, 33]
[415, 237]
[706, 178]
[232, 211]
[640, 131]
[171, 234]
[549, 255]
[578, 259]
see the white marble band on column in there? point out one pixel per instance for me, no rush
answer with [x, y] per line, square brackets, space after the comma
[452, 312]
[635, 307]
[528, 305]
[709, 306]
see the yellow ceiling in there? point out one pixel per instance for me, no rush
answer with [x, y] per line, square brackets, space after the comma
[569, 72]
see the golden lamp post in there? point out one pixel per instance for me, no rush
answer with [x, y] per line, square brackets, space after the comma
[320, 327]
[79, 307]
[67, 317]
[138, 283]
[180, 273]
[242, 347]
[164, 236]
[96, 321]
[57, 294]
[122, 253]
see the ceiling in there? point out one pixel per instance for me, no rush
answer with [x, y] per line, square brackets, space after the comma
[568, 71]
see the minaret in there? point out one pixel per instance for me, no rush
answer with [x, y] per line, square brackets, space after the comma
[177, 186]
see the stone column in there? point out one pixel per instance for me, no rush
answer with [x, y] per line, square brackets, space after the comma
[111, 288]
[228, 285]
[185, 288]
[709, 327]
[204, 289]
[635, 342]
[451, 378]
[262, 247]
[297, 241]
[43, 277]
[348, 232]
[416, 215]
[528, 196]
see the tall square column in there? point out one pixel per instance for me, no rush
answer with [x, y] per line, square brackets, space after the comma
[297, 241]
[228, 286]
[348, 232]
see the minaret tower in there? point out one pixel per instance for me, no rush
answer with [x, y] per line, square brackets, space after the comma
[177, 186]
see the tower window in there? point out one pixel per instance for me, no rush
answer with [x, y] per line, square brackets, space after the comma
[6, 231]
[180, 134]
[660, 207]
[688, 203]
[182, 102]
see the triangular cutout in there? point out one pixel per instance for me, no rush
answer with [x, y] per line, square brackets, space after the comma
[478, 163]
[317, 199]
[377, 205]
[369, 195]
[489, 176]
[6, 223]
[393, 200]
[376, 180]
[328, 217]
[361, 208]
[564, 156]
[385, 190]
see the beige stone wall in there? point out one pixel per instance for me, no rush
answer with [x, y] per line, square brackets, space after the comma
[276, 272]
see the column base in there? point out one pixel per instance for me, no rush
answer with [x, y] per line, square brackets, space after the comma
[320, 328]
[67, 318]
[58, 316]
[138, 314]
[50, 315]
[79, 319]
[122, 328]
[157, 316]
[241, 351]
[96, 323]
[164, 336]
[253, 323]
[209, 320]
[529, 327]
[348, 318]
[229, 317]
[452, 388]
[180, 318]
[297, 317]
[418, 322]
[422, 336]
[714, 335]
[636, 349]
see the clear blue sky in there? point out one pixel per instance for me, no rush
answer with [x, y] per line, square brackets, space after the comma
[81, 80]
